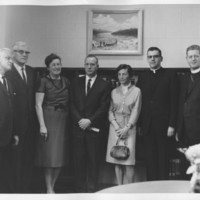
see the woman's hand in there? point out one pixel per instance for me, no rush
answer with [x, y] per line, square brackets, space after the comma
[43, 133]
[122, 133]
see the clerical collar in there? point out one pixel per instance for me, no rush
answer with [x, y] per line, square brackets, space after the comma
[195, 71]
[154, 70]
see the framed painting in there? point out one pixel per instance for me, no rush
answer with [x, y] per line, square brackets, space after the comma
[115, 32]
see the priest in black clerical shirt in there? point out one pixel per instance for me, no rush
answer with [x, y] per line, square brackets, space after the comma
[188, 120]
[188, 123]
[158, 114]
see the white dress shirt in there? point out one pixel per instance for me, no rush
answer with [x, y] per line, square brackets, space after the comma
[19, 69]
[1, 79]
[91, 82]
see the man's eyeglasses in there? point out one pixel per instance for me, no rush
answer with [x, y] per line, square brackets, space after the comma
[154, 56]
[22, 52]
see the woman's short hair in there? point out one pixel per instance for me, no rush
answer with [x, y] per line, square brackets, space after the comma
[125, 66]
[50, 58]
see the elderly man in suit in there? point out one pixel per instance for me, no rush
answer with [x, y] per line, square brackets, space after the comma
[158, 114]
[7, 135]
[23, 78]
[89, 108]
[188, 121]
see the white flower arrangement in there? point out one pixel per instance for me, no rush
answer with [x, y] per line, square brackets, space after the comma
[193, 155]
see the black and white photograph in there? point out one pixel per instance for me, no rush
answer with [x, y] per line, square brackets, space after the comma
[100, 99]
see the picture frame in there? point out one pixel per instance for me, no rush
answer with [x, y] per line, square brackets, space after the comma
[115, 32]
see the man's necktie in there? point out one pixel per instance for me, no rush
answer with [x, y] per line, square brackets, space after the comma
[5, 82]
[23, 75]
[88, 85]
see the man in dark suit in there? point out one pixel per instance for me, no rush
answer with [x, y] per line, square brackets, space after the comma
[89, 108]
[188, 122]
[22, 78]
[158, 114]
[7, 135]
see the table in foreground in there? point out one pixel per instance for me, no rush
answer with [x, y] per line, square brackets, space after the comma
[151, 187]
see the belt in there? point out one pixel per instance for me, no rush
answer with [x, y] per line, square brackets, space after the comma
[56, 108]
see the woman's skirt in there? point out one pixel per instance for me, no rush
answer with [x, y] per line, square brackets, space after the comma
[53, 152]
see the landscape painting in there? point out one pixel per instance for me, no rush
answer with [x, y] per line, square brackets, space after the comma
[115, 32]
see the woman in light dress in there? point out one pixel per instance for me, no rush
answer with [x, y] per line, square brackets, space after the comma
[123, 115]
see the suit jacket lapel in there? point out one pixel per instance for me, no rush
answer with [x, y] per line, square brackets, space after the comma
[190, 88]
[10, 90]
[82, 86]
[28, 77]
[17, 75]
[95, 85]
[3, 88]
[190, 85]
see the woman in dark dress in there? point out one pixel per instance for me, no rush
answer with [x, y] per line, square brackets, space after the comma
[52, 107]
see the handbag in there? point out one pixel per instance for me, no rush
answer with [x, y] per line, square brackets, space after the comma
[120, 152]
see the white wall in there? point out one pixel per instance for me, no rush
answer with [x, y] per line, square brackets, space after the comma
[63, 29]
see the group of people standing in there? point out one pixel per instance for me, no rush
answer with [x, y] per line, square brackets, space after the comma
[36, 115]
